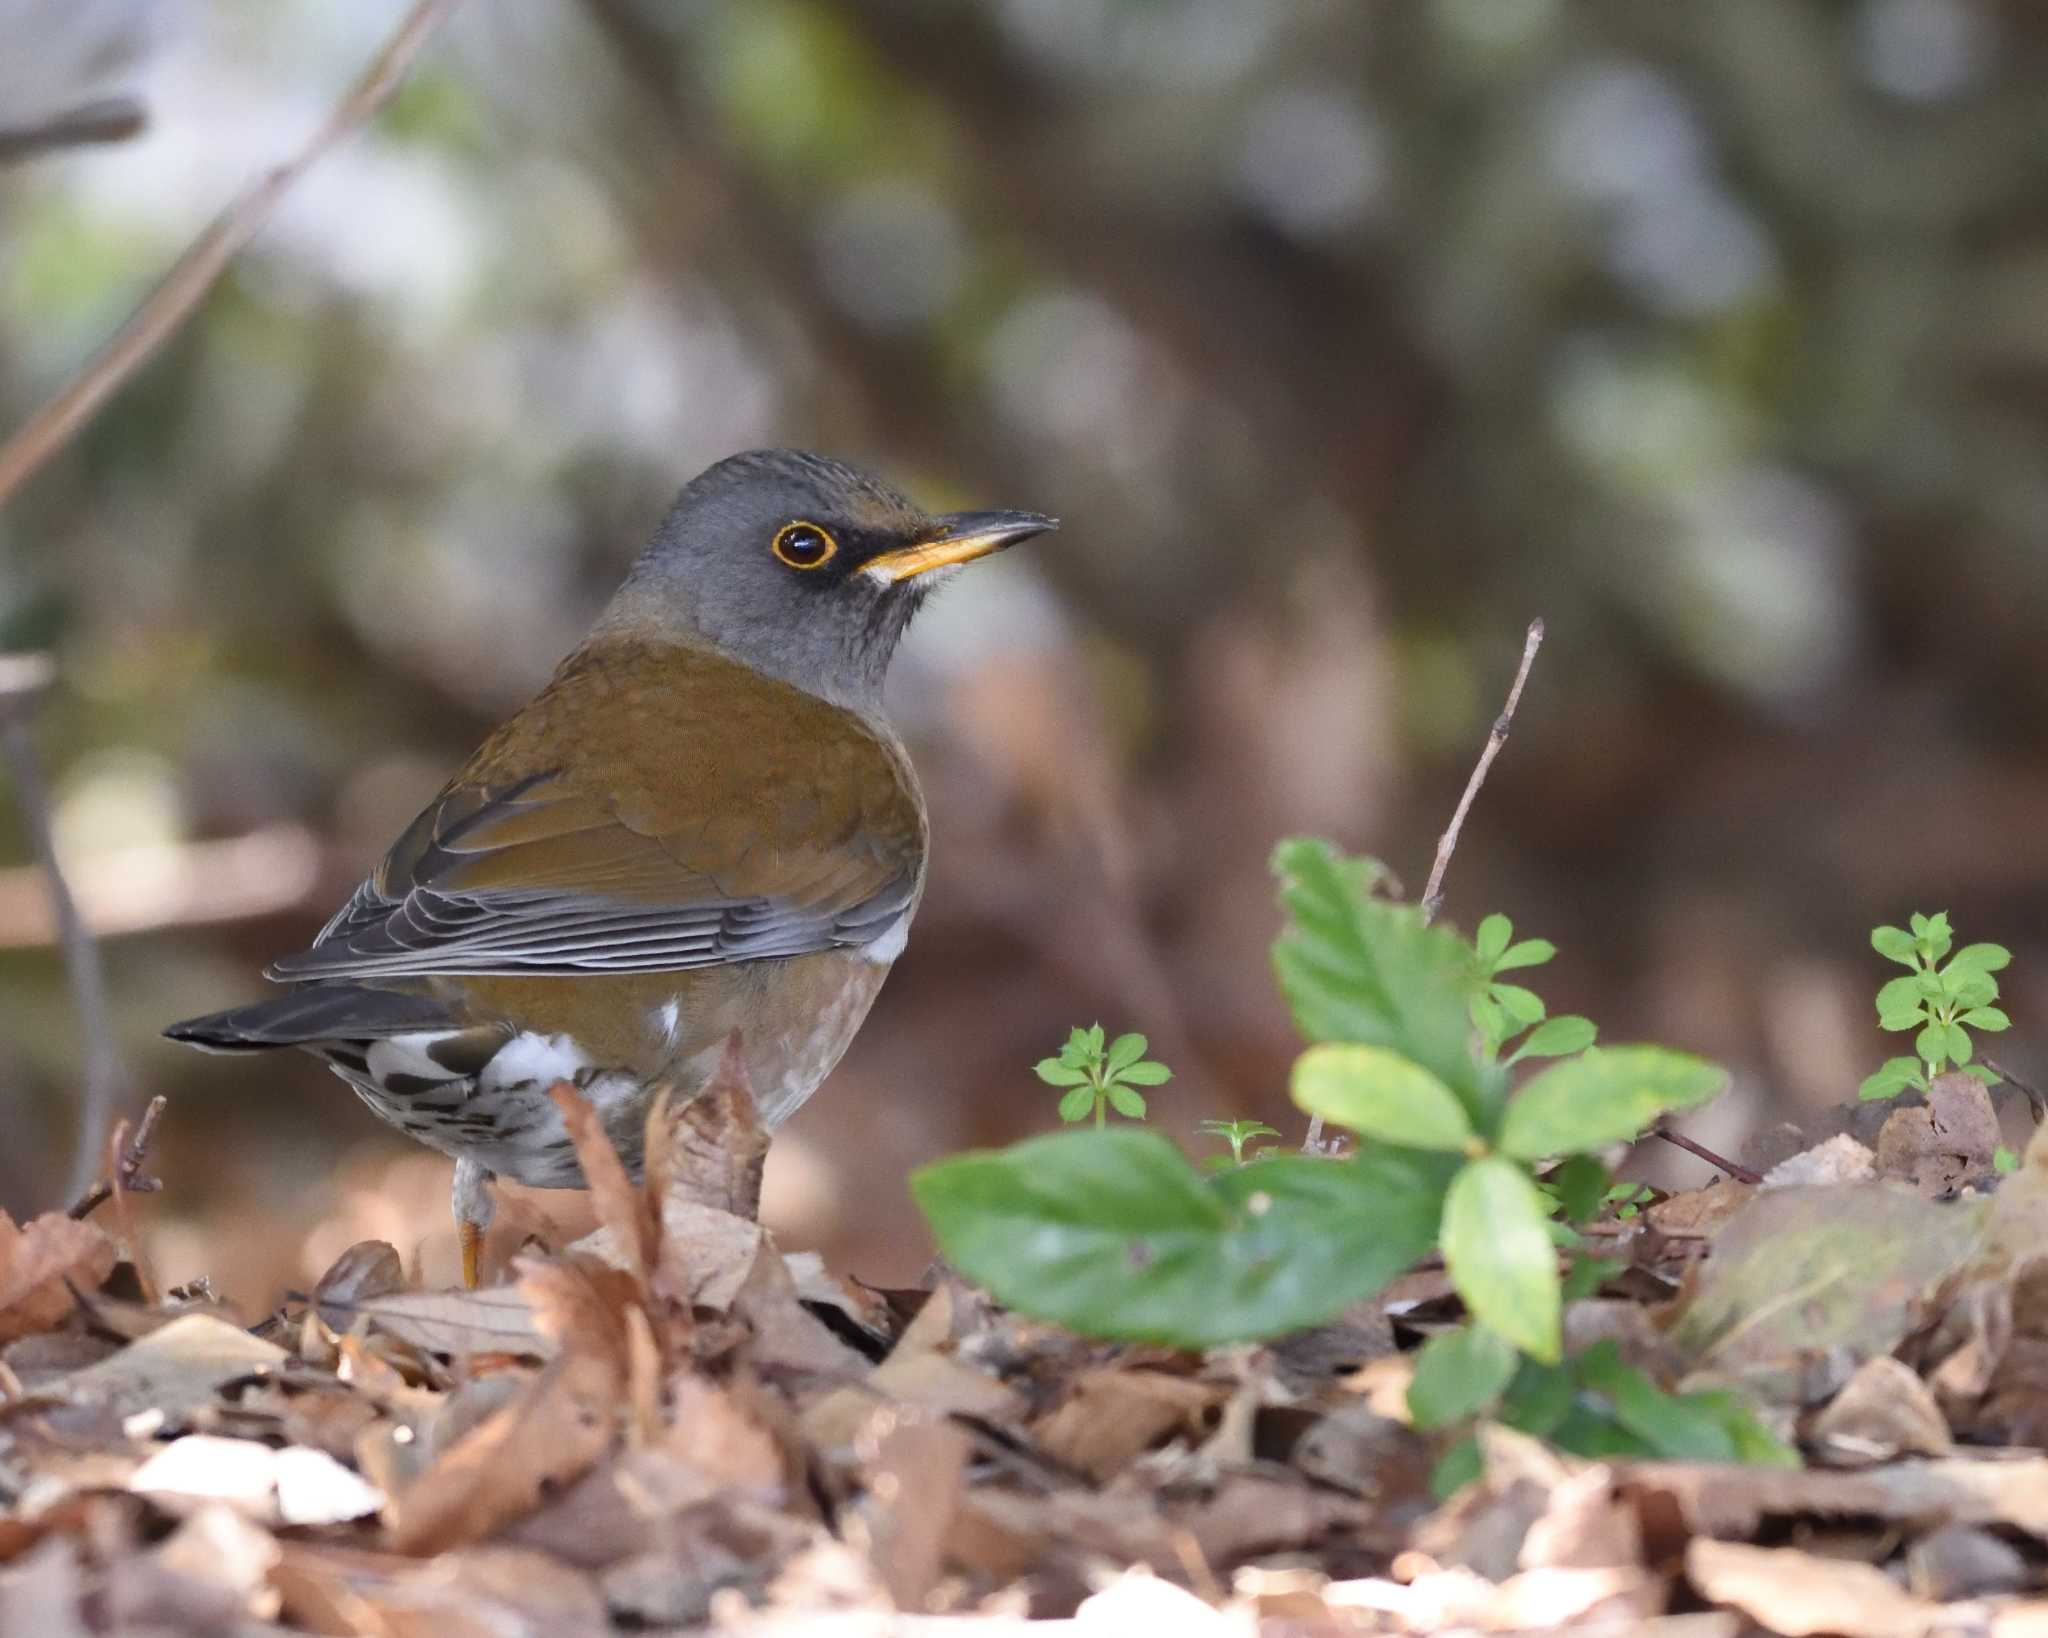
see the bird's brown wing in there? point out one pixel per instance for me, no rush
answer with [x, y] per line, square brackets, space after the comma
[654, 810]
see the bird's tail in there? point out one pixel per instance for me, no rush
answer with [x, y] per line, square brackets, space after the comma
[317, 1012]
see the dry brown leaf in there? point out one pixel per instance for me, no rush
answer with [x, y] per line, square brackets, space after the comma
[1787, 1591]
[368, 1269]
[618, 1204]
[36, 1263]
[1700, 1211]
[1841, 1159]
[499, 1471]
[174, 1370]
[1942, 1144]
[1733, 1503]
[1109, 1416]
[707, 1254]
[1884, 1412]
[497, 1321]
[710, 1148]
[916, 1474]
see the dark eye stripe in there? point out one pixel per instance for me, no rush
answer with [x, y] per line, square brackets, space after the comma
[804, 546]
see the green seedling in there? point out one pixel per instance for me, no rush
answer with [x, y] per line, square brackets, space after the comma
[1099, 1077]
[1940, 1000]
[1236, 1133]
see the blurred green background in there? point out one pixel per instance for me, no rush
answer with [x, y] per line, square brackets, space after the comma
[1345, 338]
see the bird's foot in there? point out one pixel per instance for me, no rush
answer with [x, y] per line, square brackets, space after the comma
[474, 1209]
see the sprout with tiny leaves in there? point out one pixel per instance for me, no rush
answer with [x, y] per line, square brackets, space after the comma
[1101, 1075]
[1236, 1133]
[1941, 999]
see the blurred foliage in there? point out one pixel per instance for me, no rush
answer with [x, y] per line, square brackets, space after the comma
[1345, 338]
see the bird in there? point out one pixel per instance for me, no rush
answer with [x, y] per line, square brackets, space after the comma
[702, 825]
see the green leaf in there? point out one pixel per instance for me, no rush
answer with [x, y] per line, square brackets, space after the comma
[1523, 1007]
[1929, 986]
[1488, 1019]
[1668, 1424]
[1145, 1074]
[1491, 941]
[1894, 944]
[2004, 1161]
[1124, 1051]
[1126, 1103]
[1531, 952]
[1458, 1374]
[1981, 958]
[1498, 1252]
[1113, 1234]
[1380, 1094]
[1055, 1073]
[1581, 1185]
[1891, 1079]
[1990, 1077]
[1900, 996]
[1956, 1041]
[1556, 1038]
[1585, 1277]
[1938, 938]
[1459, 1466]
[1357, 969]
[1606, 1095]
[1989, 1019]
[1539, 1398]
[1920, 925]
[1974, 990]
[1078, 1104]
[1903, 1020]
[1932, 1043]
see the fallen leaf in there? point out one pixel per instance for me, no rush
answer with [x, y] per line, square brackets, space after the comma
[618, 1204]
[1941, 1144]
[1841, 1159]
[1787, 1591]
[1108, 1416]
[497, 1321]
[39, 1263]
[710, 1148]
[368, 1269]
[915, 1466]
[499, 1471]
[172, 1371]
[1884, 1412]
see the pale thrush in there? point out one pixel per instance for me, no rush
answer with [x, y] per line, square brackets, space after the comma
[702, 825]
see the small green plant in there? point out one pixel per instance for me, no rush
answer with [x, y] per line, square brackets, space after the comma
[1941, 999]
[2004, 1161]
[1100, 1077]
[1501, 1011]
[1236, 1133]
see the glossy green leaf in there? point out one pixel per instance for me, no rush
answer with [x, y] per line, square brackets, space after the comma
[1380, 1094]
[1114, 1234]
[1498, 1252]
[1357, 969]
[1458, 1374]
[1606, 1095]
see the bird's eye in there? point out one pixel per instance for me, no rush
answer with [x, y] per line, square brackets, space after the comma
[805, 546]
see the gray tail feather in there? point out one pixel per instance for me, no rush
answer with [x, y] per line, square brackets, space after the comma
[318, 1012]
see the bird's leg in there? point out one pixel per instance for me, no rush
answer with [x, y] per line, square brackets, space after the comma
[474, 1209]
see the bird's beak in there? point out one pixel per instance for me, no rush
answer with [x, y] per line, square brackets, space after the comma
[962, 537]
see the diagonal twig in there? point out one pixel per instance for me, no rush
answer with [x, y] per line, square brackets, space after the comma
[108, 119]
[126, 1161]
[1433, 894]
[173, 301]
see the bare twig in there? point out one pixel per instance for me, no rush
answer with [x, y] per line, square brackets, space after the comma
[1433, 893]
[23, 680]
[173, 301]
[118, 1152]
[2031, 1093]
[1678, 1140]
[109, 119]
[125, 1168]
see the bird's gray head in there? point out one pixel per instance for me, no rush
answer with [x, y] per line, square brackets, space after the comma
[803, 567]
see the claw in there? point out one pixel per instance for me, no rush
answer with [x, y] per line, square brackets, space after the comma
[472, 1237]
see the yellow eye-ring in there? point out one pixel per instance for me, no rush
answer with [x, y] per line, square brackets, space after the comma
[805, 546]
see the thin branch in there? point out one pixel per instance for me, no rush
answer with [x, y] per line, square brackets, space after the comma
[109, 119]
[172, 302]
[2035, 1102]
[23, 680]
[1678, 1140]
[119, 1152]
[125, 1176]
[1433, 894]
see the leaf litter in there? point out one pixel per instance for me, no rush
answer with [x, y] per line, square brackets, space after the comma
[671, 1426]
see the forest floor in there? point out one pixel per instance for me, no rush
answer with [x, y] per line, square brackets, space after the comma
[669, 1426]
